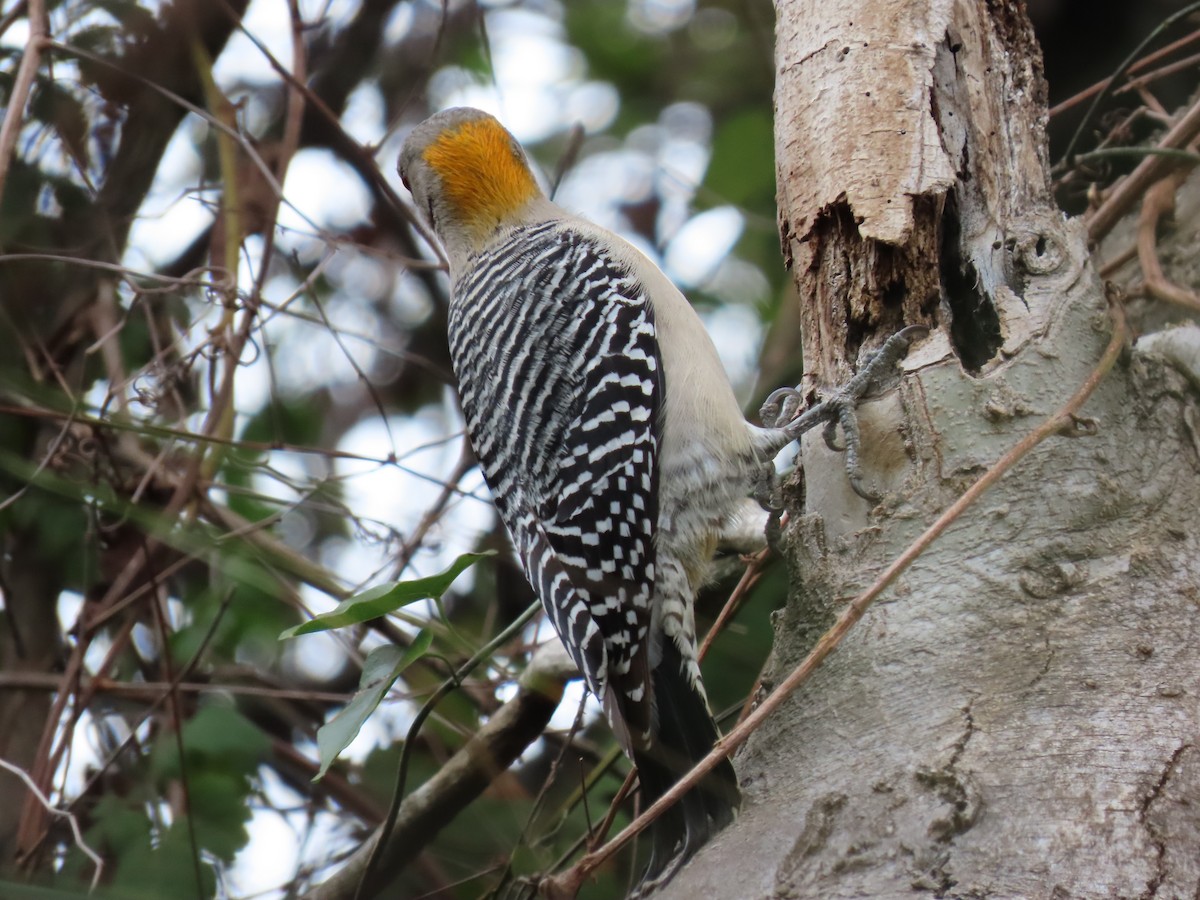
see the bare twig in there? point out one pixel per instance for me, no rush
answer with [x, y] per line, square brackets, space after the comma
[1159, 201]
[243, 144]
[539, 800]
[150, 691]
[1147, 60]
[601, 832]
[14, 116]
[1123, 68]
[1130, 190]
[152, 430]
[127, 274]
[107, 328]
[360, 157]
[61, 813]
[30, 827]
[1187, 64]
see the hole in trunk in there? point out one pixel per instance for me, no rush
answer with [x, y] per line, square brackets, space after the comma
[974, 324]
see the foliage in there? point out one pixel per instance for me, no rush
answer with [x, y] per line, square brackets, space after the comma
[226, 418]
[381, 668]
[385, 598]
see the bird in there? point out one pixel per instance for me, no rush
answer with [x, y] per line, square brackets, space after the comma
[612, 442]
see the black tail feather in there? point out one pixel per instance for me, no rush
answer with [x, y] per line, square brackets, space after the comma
[685, 734]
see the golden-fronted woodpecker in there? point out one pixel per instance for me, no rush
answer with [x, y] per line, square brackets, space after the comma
[611, 440]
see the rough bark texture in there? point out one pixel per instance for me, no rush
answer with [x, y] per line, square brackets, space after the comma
[1017, 717]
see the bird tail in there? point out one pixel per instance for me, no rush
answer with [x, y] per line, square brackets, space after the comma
[685, 734]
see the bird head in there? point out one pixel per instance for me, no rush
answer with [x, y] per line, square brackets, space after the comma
[469, 178]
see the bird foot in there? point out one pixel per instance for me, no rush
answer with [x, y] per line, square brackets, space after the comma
[782, 410]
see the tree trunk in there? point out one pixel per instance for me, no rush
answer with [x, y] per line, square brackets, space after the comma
[1017, 716]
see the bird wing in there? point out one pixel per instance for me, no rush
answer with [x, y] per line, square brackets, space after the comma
[562, 386]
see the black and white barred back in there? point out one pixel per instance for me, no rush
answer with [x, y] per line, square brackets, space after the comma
[554, 348]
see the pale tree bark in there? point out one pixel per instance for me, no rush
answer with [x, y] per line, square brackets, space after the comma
[1019, 715]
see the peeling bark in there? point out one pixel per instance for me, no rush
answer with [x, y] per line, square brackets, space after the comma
[1017, 716]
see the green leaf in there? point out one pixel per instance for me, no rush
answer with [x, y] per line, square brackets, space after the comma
[222, 733]
[116, 827]
[165, 869]
[220, 810]
[380, 670]
[215, 737]
[385, 598]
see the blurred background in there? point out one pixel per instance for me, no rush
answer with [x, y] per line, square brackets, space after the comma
[226, 403]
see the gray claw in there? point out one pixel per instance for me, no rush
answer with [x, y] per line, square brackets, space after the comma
[766, 491]
[780, 407]
[830, 435]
